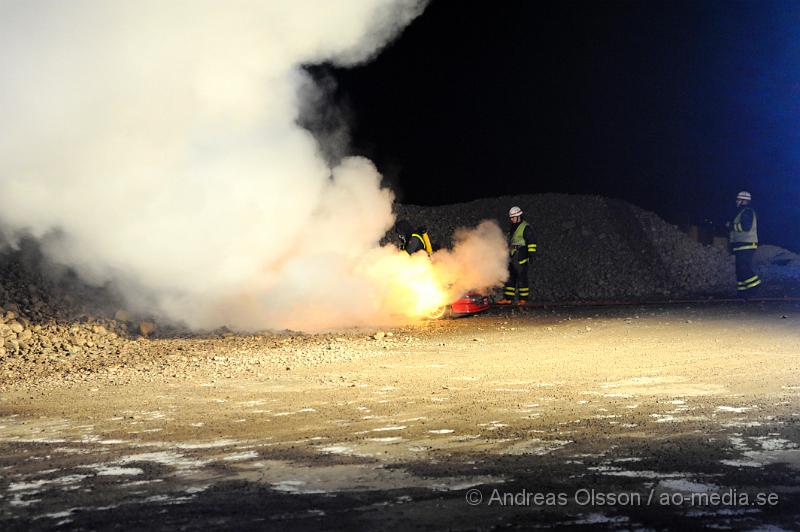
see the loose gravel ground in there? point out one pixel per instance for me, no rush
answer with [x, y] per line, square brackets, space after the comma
[115, 420]
[655, 407]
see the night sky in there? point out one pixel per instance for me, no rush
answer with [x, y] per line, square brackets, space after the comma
[674, 106]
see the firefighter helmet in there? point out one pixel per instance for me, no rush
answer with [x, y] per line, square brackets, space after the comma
[744, 196]
[514, 212]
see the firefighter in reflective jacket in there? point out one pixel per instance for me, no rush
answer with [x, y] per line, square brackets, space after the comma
[744, 242]
[412, 241]
[522, 244]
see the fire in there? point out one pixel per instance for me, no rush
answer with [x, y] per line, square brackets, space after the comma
[411, 286]
[417, 286]
[381, 286]
[430, 297]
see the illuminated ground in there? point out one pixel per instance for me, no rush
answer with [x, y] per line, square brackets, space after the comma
[344, 431]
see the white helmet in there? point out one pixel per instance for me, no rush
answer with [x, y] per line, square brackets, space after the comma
[744, 195]
[514, 212]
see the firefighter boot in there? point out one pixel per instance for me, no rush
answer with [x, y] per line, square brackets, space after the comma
[509, 292]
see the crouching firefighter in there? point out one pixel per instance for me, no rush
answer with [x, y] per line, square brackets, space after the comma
[412, 241]
[744, 242]
[522, 244]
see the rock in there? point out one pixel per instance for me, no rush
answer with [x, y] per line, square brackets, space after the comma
[648, 258]
[11, 345]
[379, 335]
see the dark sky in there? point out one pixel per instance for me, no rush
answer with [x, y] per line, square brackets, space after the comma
[674, 106]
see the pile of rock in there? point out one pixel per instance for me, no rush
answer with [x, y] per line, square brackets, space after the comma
[775, 263]
[40, 291]
[590, 248]
[596, 248]
[22, 337]
[14, 334]
[48, 315]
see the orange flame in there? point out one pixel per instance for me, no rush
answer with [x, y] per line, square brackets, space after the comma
[411, 286]
[418, 286]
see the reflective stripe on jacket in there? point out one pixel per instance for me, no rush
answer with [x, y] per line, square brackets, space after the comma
[739, 235]
[426, 243]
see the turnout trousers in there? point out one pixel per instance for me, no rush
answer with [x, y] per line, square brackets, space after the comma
[746, 278]
[517, 283]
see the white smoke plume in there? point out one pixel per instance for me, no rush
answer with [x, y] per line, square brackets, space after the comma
[478, 260]
[154, 145]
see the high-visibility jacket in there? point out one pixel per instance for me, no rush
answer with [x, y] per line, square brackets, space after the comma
[744, 235]
[522, 242]
[419, 240]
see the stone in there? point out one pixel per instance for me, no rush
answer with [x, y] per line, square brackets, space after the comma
[12, 345]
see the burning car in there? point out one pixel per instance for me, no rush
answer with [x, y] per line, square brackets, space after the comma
[466, 305]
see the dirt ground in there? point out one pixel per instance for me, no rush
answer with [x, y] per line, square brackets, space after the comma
[627, 417]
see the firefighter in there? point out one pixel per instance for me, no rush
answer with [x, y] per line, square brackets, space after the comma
[412, 241]
[522, 244]
[744, 242]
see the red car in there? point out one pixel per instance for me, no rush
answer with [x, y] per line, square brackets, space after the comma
[467, 305]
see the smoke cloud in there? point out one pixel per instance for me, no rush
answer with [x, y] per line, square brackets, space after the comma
[154, 145]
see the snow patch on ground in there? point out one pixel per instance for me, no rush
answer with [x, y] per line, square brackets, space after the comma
[763, 450]
[599, 519]
[167, 458]
[619, 472]
[734, 409]
[205, 445]
[536, 447]
[104, 470]
[393, 427]
[686, 485]
[241, 456]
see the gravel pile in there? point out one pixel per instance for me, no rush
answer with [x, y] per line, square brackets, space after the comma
[596, 248]
[591, 248]
[55, 328]
[49, 318]
[40, 291]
